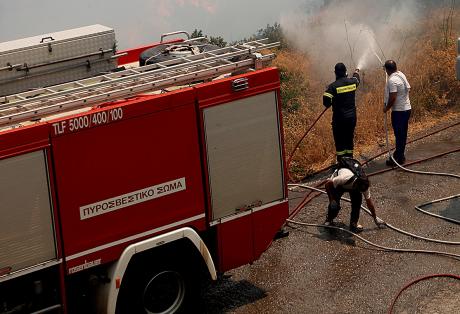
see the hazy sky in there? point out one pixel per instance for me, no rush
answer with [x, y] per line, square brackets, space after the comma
[138, 22]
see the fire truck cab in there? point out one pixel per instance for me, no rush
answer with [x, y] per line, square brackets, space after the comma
[123, 186]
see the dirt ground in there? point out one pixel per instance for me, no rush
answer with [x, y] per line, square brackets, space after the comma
[318, 271]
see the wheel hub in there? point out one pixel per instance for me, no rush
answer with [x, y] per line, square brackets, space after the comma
[164, 293]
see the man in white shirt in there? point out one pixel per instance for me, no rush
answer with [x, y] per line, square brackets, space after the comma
[397, 99]
[344, 180]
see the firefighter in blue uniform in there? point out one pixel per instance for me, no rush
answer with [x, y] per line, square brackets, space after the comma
[341, 96]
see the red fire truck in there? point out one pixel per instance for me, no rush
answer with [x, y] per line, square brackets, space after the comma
[128, 177]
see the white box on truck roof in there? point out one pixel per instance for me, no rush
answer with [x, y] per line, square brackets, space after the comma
[55, 58]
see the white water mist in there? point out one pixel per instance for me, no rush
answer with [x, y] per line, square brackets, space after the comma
[358, 33]
[370, 55]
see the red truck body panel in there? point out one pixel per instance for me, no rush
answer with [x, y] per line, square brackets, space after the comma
[23, 140]
[244, 239]
[128, 170]
[158, 139]
[155, 142]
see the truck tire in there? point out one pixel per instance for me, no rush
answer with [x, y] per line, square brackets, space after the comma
[151, 287]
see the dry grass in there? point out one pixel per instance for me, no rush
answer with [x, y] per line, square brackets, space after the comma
[429, 65]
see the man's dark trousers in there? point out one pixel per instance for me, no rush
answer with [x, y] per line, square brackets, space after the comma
[356, 200]
[400, 122]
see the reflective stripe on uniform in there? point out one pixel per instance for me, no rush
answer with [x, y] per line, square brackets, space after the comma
[328, 95]
[344, 152]
[346, 89]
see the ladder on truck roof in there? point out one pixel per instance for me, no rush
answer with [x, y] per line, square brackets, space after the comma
[42, 102]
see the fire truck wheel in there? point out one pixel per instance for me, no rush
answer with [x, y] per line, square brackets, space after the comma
[166, 288]
[165, 292]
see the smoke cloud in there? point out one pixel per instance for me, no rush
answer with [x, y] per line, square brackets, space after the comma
[141, 22]
[358, 33]
[167, 7]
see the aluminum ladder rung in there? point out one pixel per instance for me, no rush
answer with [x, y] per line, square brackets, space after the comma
[108, 78]
[225, 61]
[148, 86]
[206, 65]
[237, 48]
[50, 90]
[185, 59]
[143, 79]
[161, 66]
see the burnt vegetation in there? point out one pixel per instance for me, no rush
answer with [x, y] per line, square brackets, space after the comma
[428, 60]
[427, 56]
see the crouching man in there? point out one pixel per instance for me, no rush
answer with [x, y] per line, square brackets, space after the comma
[349, 177]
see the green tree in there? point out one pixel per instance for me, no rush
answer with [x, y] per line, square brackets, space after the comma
[218, 41]
[196, 33]
[273, 33]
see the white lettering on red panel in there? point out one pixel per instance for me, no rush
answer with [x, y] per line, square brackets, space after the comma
[84, 122]
[84, 266]
[132, 198]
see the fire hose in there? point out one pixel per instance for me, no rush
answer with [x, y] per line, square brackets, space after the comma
[425, 212]
[424, 173]
[438, 216]
[417, 207]
[381, 247]
[298, 208]
[385, 152]
[414, 171]
[417, 281]
[368, 212]
[307, 199]
[300, 141]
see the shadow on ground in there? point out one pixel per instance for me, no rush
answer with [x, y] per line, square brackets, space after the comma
[452, 210]
[227, 294]
[328, 234]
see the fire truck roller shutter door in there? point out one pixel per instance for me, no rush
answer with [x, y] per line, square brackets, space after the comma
[244, 154]
[26, 224]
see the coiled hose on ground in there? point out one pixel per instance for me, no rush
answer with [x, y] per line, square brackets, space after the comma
[384, 248]
[307, 197]
[368, 212]
[297, 209]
